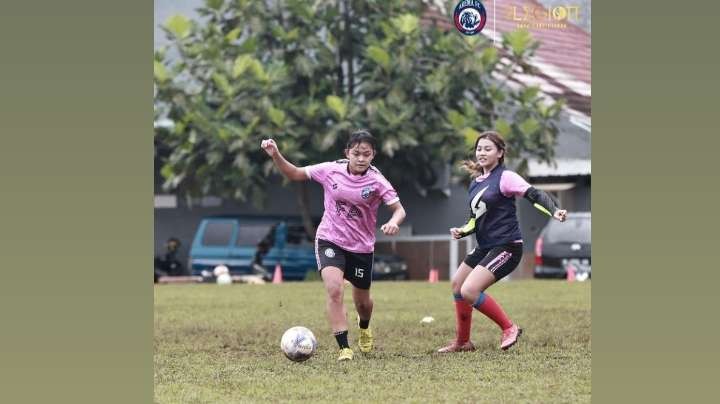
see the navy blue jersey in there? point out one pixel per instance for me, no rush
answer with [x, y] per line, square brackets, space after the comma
[496, 218]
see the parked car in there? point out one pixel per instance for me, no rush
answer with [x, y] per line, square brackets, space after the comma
[254, 245]
[561, 244]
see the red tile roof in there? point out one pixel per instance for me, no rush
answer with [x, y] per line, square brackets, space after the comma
[565, 52]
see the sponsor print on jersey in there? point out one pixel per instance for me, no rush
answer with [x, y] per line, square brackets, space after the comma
[345, 208]
[478, 207]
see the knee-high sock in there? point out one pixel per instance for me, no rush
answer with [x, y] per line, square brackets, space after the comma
[463, 319]
[489, 307]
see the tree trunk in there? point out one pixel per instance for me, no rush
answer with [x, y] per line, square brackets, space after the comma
[350, 59]
[339, 68]
[303, 199]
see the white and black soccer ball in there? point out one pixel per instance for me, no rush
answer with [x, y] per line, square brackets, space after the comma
[298, 344]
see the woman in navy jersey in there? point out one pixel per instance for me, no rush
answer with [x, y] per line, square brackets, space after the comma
[345, 240]
[493, 220]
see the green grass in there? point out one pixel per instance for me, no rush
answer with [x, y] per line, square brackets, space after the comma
[220, 344]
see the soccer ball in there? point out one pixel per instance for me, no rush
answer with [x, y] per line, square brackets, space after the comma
[298, 344]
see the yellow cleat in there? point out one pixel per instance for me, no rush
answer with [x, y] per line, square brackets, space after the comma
[366, 340]
[346, 354]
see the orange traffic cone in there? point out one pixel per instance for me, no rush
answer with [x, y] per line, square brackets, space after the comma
[434, 275]
[570, 269]
[277, 277]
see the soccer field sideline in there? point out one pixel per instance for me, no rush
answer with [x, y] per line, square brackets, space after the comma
[221, 344]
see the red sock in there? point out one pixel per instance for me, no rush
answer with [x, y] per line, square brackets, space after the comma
[489, 307]
[463, 320]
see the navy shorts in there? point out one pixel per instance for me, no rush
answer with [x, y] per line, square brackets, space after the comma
[357, 267]
[500, 260]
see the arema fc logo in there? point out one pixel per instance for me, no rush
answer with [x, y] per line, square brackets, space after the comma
[366, 192]
[470, 17]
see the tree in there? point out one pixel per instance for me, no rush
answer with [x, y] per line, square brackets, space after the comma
[307, 74]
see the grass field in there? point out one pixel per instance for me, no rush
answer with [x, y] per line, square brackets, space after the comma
[220, 344]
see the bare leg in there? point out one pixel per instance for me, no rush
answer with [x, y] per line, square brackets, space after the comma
[363, 303]
[460, 275]
[475, 283]
[333, 279]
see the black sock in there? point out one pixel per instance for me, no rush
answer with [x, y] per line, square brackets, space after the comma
[341, 338]
[364, 324]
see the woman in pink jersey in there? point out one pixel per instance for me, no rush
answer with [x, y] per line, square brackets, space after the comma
[345, 240]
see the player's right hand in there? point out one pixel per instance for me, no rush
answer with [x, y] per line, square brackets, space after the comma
[269, 146]
[455, 232]
[560, 215]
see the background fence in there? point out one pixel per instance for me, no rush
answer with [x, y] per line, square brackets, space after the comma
[441, 252]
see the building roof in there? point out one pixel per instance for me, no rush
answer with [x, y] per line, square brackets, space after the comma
[563, 57]
[562, 167]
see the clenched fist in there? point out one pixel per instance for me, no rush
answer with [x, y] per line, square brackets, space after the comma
[456, 233]
[270, 147]
[390, 229]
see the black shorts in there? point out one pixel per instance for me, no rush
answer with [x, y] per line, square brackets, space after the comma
[499, 260]
[357, 267]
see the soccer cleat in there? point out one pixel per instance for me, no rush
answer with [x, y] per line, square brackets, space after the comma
[510, 337]
[346, 354]
[366, 340]
[455, 347]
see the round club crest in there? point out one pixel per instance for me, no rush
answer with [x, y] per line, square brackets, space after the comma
[366, 192]
[329, 252]
[470, 17]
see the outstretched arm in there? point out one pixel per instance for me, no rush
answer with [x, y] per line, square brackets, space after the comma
[288, 169]
[392, 227]
[511, 184]
[545, 204]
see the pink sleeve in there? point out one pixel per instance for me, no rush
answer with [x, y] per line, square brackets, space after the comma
[387, 192]
[511, 184]
[318, 172]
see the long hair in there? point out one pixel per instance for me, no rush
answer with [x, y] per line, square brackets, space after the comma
[473, 167]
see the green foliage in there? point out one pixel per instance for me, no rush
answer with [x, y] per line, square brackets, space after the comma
[159, 72]
[337, 105]
[179, 26]
[220, 344]
[308, 73]
[406, 24]
[520, 42]
[379, 56]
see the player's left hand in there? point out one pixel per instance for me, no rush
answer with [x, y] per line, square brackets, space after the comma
[390, 229]
[455, 233]
[560, 214]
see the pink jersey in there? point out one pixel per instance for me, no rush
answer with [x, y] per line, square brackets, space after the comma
[351, 204]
